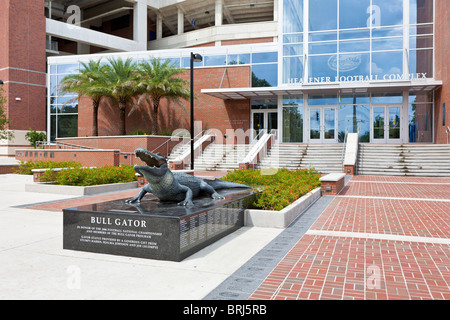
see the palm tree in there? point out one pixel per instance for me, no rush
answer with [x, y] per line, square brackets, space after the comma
[90, 83]
[123, 84]
[159, 80]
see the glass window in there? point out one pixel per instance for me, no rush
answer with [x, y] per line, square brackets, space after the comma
[293, 38]
[293, 49]
[243, 58]
[354, 45]
[292, 70]
[264, 75]
[420, 11]
[264, 57]
[186, 62]
[292, 101]
[420, 124]
[387, 32]
[319, 100]
[382, 44]
[418, 42]
[257, 104]
[219, 60]
[322, 15]
[173, 61]
[67, 126]
[323, 36]
[354, 34]
[420, 97]
[384, 63]
[354, 65]
[293, 124]
[323, 66]
[322, 47]
[387, 12]
[387, 98]
[421, 61]
[353, 13]
[53, 69]
[68, 68]
[354, 99]
[292, 16]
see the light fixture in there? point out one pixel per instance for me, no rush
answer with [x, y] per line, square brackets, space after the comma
[197, 58]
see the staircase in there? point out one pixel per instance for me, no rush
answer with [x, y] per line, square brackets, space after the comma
[404, 160]
[325, 158]
[221, 157]
[283, 156]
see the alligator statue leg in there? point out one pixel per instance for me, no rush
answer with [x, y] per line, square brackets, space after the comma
[210, 190]
[188, 199]
[146, 189]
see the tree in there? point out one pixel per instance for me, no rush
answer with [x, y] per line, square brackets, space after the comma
[159, 80]
[4, 121]
[90, 82]
[123, 84]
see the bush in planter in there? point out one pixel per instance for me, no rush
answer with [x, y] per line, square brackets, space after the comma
[26, 167]
[280, 189]
[96, 176]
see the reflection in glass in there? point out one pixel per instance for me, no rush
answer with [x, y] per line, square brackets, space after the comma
[319, 100]
[243, 58]
[292, 16]
[385, 63]
[322, 47]
[391, 12]
[329, 119]
[378, 122]
[272, 121]
[259, 104]
[354, 65]
[395, 43]
[353, 13]
[322, 15]
[264, 57]
[67, 126]
[292, 124]
[420, 124]
[264, 75]
[292, 69]
[314, 123]
[394, 122]
[323, 66]
[352, 119]
[421, 61]
[258, 122]
[420, 11]
[219, 60]
[385, 98]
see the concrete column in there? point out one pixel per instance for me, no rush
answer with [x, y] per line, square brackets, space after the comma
[140, 28]
[158, 26]
[180, 21]
[219, 12]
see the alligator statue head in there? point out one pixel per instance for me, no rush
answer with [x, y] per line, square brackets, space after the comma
[155, 165]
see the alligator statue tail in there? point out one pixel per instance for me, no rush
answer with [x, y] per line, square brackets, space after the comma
[218, 184]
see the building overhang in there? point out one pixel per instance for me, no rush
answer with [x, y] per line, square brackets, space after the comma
[417, 85]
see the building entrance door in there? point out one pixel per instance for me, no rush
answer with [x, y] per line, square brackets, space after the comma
[265, 120]
[322, 125]
[385, 124]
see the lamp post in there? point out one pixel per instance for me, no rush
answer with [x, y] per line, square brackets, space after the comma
[197, 58]
[1, 81]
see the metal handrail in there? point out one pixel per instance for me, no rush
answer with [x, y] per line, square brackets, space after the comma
[447, 131]
[63, 144]
[258, 136]
[343, 148]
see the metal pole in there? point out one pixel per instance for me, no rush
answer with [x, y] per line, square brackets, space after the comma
[192, 111]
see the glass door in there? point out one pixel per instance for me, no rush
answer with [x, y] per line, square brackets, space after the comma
[385, 123]
[258, 124]
[322, 125]
[264, 120]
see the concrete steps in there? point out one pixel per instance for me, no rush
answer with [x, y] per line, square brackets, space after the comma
[325, 158]
[221, 157]
[404, 159]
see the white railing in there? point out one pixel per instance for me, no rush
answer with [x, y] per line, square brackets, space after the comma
[259, 149]
[61, 145]
[447, 131]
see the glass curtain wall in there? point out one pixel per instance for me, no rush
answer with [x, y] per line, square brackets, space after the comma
[293, 118]
[356, 40]
[63, 108]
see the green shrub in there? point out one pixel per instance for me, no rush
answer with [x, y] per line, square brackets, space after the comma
[279, 189]
[26, 167]
[96, 176]
[34, 137]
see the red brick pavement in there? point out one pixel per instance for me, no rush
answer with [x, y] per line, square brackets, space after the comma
[345, 263]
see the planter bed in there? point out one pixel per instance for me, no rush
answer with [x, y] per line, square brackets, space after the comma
[43, 187]
[284, 217]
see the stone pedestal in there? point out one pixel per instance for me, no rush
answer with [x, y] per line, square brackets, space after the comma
[154, 230]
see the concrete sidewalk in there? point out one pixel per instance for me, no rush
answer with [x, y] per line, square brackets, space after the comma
[34, 265]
